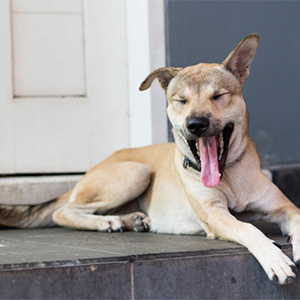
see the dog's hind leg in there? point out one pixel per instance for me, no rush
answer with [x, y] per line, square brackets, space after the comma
[106, 187]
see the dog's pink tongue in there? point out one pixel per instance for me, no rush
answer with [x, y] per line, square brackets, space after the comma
[209, 161]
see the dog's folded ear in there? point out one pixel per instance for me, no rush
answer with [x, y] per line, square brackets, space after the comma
[164, 76]
[239, 60]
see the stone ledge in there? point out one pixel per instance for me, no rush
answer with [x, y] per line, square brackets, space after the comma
[25, 190]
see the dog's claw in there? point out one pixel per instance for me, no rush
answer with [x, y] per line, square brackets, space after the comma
[289, 279]
[275, 278]
[294, 268]
[288, 239]
[146, 226]
[109, 229]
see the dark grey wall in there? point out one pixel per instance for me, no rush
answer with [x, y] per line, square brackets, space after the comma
[206, 31]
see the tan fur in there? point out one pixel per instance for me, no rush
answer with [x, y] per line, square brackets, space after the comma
[173, 199]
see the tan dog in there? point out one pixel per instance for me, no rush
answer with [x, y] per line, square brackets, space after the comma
[189, 186]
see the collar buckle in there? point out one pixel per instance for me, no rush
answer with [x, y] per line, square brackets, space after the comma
[185, 162]
[188, 163]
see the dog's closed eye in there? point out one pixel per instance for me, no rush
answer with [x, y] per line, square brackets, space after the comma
[181, 101]
[219, 96]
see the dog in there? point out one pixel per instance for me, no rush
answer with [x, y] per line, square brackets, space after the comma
[194, 185]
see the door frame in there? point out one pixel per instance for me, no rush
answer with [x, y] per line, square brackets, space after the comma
[146, 52]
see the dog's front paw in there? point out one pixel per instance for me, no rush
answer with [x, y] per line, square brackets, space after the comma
[277, 265]
[140, 223]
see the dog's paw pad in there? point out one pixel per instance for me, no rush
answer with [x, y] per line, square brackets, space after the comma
[139, 224]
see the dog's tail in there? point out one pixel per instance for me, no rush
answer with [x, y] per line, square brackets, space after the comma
[30, 216]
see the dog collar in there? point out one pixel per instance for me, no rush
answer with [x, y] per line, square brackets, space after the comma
[232, 163]
[188, 163]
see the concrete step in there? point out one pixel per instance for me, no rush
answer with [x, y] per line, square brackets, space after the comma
[62, 263]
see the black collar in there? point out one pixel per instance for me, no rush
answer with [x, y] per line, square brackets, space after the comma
[188, 163]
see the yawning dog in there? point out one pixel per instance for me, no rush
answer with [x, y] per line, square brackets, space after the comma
[194, 185]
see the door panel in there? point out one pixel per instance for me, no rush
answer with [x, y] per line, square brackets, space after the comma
[63, 93]
[48, 54]
[51, 135]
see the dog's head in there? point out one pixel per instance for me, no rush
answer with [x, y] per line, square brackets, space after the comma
[206, 107]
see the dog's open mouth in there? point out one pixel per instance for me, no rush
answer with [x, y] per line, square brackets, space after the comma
[210, 154]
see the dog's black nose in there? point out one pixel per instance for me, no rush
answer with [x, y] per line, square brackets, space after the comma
[197, 126]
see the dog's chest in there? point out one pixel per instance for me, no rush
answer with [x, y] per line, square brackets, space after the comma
[237, 195]
[174, 217]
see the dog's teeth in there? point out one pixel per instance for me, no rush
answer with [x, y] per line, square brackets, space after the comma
[221, 145]
[221, 140]
[220, 175]
[197, 147]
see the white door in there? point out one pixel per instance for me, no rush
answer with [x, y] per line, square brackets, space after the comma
[63, 84]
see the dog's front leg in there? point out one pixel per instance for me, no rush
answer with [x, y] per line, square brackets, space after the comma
[220, 224]
[276, 208]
